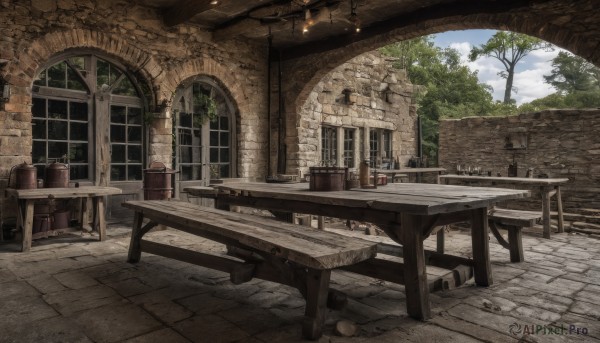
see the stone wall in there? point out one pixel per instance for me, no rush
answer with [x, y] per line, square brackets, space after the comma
[33, 32]
[558, 143]
[380, 97]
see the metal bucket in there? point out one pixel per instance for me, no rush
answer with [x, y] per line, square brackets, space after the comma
[57, 176]
[61, 219]
[157, 182]
[25, 176]
[41, 223]
[327, 178]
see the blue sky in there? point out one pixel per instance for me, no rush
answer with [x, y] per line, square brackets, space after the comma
[528, 79]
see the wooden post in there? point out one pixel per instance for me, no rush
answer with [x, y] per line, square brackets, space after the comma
[135, 250]
[100, 217]
[321, 223]
[415, 274]
[515, 242]
[545, 192]
[27, 225]
[317, 290]
[440, 241]
[481, 247]
[561, 222]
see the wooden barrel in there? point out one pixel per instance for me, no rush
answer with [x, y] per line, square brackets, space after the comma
[327, 178]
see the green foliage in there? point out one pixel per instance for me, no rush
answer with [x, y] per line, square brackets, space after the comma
[205, 108]
[446, 89]
[572, 74]
[509, 48]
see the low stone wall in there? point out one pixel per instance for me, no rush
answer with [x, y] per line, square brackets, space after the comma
[558, 143]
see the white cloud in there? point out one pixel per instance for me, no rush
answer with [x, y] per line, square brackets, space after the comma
[529, 78]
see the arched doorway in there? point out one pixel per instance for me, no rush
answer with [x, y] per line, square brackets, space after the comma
[204, 133]
[88, 111]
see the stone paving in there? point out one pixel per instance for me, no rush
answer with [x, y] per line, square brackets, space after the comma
[75, 289]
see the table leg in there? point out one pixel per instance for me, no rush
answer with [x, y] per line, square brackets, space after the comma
[561, 222]
[135, 249]
[100, 217]
[27, 227]
[545, 192]
[415, 273]
[317, 290]
[481, 247]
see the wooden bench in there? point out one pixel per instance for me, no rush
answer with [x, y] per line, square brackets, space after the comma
[513, 221]
[258, 247]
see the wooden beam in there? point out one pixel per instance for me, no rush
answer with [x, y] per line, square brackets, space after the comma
[187, 9]
[458, 8]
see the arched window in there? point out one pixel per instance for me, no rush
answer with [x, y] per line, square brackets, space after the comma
[88, 112]
[204, 131]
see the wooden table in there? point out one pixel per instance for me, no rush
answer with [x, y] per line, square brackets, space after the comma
[548, 188]
[416, 171]
[26, 198]
[407, 212]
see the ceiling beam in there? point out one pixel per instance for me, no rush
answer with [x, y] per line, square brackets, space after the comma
[187, 9]
[459, 8]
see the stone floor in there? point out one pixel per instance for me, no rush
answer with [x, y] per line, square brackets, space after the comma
[75, 289]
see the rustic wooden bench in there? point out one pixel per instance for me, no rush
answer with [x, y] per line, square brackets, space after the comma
[258, 247]
[513, 221]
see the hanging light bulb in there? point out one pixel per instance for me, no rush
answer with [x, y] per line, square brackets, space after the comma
[353, 16]
[305, 29]
[214, 2]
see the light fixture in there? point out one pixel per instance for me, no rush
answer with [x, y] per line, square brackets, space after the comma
[214, 2]
[353, 16]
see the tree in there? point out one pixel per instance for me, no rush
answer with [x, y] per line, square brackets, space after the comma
[447, 89]
[509, 48]
[572, 74]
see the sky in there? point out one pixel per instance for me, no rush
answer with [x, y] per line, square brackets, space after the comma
[528, 80]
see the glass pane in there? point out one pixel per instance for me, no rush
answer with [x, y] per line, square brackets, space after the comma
[73, 81]
[224, 123]
[224, 141]
[134, 116]
[214, 125]
[186, 173]
[78, 111]
[38, 152]
[38, 129]
[102, 70]
[118, 153]
[118, 173]
[114, 74]
[224, 155]
[224, 170]
[214, 155]
[134, 172]
[57, 75]
[214, 138]
[134, 134]
[118, 114]
[57, 150]
[78, 62]
[38, 109]
[186, 154]
[57, 130]
[79, 131]
[41, 80]
[185, 119]
[41, 171]
[57, 109]
[185, 137]
[117, 133]
[134, 153]
[78, 172]
[78, 152]
[125, 87]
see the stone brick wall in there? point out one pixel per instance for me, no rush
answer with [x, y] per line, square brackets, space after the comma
[33, 32]
[559, 143]
[380, 98]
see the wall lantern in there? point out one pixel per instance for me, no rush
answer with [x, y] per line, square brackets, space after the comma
[346, 100]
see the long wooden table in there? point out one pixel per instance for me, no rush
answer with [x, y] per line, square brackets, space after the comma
[547, 187]
[27, 197]
[407, 212]
[416, 171]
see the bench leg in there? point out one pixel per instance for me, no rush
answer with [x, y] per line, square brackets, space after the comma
[317, 289]
[440, 241]
[135, 249]
[516, 244]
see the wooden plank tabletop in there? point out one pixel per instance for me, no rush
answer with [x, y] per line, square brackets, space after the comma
[415, 198]
[505, 179]
[411, 170]
[61, 193]
[307, 246]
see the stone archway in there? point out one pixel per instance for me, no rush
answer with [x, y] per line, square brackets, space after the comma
[302, 74]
